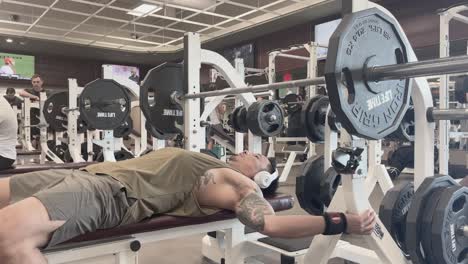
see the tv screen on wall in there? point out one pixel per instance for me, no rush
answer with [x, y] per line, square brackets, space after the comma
[323, 33]
[126, 72]
[16, 66]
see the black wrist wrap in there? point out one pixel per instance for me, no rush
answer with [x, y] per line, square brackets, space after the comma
[335, 223]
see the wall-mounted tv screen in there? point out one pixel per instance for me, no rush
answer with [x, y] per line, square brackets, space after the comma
[323, 33]
[126, 72]
[245, 52]
[16, 66]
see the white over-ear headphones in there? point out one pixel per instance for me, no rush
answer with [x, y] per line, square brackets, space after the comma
[263, 178]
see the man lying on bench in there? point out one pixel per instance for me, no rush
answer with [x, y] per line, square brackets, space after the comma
[44, 208]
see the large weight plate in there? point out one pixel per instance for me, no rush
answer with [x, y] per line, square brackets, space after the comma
[394, 209]
[265, 118]
[451, 213]
[292, 103]
[238, 119]
[104, 104]
[415, 215]
[156, 133]
[308, 186]
[328, 185]
[313, 118]
[165, 115]
[364, 39]
[125, 129]
[426, 223]
[54, 111]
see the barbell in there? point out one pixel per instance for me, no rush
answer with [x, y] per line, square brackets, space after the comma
[367, 75]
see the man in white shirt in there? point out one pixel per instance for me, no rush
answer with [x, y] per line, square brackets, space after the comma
[8, 136]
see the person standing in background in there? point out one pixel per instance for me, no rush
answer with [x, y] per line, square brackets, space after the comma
[8, 130]
[12, 99]
[33, 93]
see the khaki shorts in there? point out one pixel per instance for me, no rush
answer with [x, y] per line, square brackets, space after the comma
[86, 202]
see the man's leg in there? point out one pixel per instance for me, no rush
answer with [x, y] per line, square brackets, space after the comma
[25, 227]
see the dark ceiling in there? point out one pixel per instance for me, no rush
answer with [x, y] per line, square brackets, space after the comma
[418, 17]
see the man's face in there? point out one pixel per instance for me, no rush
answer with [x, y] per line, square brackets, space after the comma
[37, 84]
[249, 163]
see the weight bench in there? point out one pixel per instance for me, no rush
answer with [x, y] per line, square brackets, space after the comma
[121, 244]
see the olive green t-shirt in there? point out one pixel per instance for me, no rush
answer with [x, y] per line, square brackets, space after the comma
[162, 182]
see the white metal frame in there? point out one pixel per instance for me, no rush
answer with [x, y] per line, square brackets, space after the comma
[141, 142]
[453, 13]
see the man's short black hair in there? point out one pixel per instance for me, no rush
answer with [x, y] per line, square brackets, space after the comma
[10, 90]
[271, 190]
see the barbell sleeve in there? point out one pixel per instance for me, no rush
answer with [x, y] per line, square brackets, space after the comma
[449, 65]
[434, 114]
[465, 231]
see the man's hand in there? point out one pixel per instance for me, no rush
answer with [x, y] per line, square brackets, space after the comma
[34, 98]
[362, 224]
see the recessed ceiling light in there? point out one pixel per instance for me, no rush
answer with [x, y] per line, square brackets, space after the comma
[144, 10]
[9, 40]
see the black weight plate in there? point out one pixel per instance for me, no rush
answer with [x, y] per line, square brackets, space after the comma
[332, 122]
[53, 111]
[265, 118]
[308, 186]
[449, 245]
[314, 118]
[328, 185]
[461, 89]
[238, 121]
[305, 113]
[364, 39]
[405, 131]
[426, 224]
[159, 109]
[292, 103]
[394, 209]
[104, 104]
[82, 127]
[119, 156]
[156, 133]
[85, 153]
[125, 129]
[415, 214]
[34, 119]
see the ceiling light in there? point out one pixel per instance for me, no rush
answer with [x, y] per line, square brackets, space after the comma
[144, 10]
[9, 40]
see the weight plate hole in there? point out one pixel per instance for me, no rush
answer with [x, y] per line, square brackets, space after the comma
[399, 56]
[349, 84]
[459, 204]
